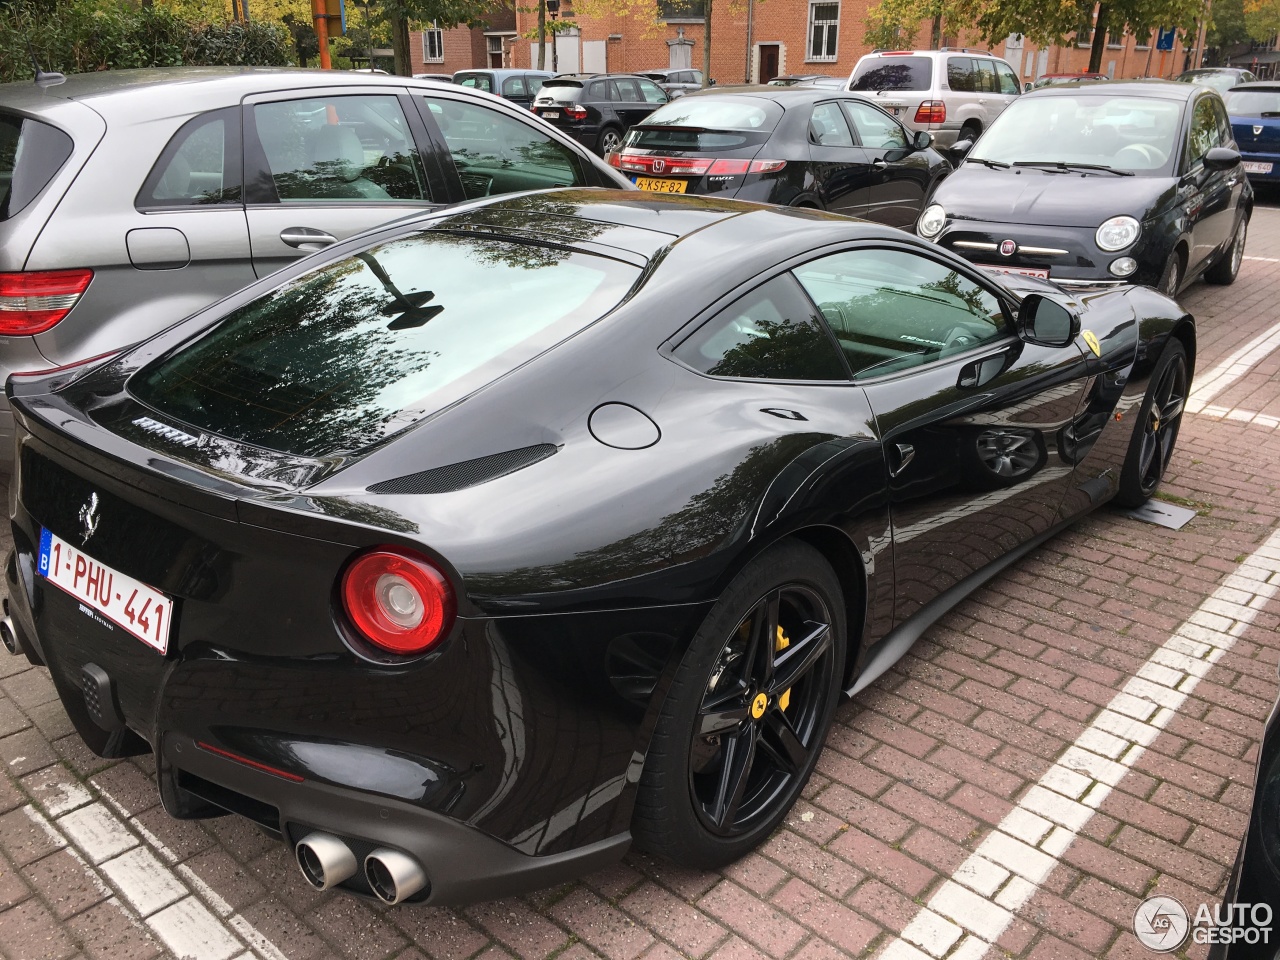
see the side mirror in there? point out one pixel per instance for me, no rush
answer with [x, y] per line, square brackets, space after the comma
[1221, 158]
[1026, 87]
[1046, 322]
[959, 150]
[922, 140]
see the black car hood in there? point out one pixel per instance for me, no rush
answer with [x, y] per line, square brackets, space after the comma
[975, 192]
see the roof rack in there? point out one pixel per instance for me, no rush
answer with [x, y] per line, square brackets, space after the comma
[985, 53]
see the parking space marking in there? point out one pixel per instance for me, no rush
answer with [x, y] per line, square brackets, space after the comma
[972, 909]
[1244, 416]
[173, 904]
[1209, 385]
[1264, 259]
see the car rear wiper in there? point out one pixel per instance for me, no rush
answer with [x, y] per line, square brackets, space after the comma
[1064, 165]
[993, 164]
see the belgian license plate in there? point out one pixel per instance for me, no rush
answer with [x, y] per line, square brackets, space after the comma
[660, 186]
[1255, 167]
[1020, 271]
[550, 114]
[103, 592]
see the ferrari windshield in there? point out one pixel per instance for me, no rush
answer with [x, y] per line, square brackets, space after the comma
[357, 350]
[1131, 134]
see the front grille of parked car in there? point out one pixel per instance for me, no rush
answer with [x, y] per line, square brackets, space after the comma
[467, 473]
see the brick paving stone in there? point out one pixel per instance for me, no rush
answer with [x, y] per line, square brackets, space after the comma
[687, 928]
[441, 933]
[12, 888]
[106, 933]
[64, 883]
[23, 839]
[829, 918]
[29, 932]
[895, 869]
[525, 933]
[25, 752]
[233, 881]
[765, 928]
[603, 927]
[820, 867]
[356, 930]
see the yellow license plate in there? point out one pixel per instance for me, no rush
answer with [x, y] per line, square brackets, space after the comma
[660, 186]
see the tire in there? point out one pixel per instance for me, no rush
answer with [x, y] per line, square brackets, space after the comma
[1225, 271]
[610, 140]
[1171, 276]
[969, 131]
[733, 748]
[1156, 431]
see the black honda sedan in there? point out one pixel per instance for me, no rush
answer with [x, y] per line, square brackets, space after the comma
[466, 552]
[1101, 184]
[794, 146]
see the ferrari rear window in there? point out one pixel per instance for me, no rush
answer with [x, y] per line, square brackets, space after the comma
[345, 356]
[31, 153]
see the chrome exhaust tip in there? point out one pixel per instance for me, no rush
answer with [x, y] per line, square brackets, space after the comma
[325, 861]
[393, 876]
[9, 637]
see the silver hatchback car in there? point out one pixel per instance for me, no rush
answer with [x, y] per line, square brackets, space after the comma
[131, 199]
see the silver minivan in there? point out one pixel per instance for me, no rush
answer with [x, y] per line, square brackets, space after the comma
[954, 93]
[131, 199]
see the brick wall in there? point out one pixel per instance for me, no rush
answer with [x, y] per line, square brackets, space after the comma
[464, 49]
[640, 46]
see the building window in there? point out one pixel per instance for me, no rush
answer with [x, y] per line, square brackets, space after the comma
[433, 44]
[824, 26]
[682, 10]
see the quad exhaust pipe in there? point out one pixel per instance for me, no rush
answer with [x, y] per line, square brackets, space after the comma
[392, 875]
[325, 861]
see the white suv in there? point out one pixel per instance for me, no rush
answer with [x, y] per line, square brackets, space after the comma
[954, 93]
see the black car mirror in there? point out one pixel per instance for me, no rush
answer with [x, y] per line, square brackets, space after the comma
[959, 150]
[922, 140]
[1221, 158]
[1046, 322]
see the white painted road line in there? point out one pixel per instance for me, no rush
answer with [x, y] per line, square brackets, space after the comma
[971, 910]
[172, 904]
[1243, 416]
[1212, 383]
[1264, 259]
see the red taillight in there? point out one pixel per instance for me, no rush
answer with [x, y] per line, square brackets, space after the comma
[729, 168]
[398, 601]
[228, 755]
[33, 302]
[931, 111]
[614, 159]
[686, 167]
[766, 166]
[575, 112]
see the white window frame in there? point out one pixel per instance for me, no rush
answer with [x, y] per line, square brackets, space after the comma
[433, 32]
[829, 27]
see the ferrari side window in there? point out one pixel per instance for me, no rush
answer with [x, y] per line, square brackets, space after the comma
[891, 309]
[769, 334]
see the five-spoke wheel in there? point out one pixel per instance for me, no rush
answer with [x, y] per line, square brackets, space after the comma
[748, 711]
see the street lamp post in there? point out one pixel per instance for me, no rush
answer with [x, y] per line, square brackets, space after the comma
[553, 11]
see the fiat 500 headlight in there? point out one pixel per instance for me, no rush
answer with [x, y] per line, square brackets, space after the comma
[1117, 233]
[931, 221]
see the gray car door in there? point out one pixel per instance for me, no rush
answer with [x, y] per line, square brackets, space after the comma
[321, 166]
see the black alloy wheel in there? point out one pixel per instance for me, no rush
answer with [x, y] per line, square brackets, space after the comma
[1156, 431]
[747, 714]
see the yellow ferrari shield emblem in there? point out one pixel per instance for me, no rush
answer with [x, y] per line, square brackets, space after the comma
[1092, 341]
[758, 705]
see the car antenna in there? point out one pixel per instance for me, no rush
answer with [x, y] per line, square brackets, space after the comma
[45, 79]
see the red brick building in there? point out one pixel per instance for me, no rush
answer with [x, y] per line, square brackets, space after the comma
[434, 50]
[753, 40]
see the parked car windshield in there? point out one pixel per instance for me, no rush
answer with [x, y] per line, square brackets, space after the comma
[1253, 103]
[1124, 133]
[31, 152]
[344, 356]
[1218, 79]
[707, 123]
[893, 73]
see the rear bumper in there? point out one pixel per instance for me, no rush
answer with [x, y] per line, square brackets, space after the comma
[462, 864]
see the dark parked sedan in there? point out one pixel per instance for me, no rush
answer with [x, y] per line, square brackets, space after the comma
[595, 110]
[1255, 122]
[467, 552]
[1101, 185]
[795, 146]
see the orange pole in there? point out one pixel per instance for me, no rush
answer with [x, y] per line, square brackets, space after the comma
[320, 17]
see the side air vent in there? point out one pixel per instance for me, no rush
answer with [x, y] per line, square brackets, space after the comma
[468, 473]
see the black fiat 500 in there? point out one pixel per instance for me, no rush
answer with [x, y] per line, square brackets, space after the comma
[469, 550]
[1101, 184]
[795, 146]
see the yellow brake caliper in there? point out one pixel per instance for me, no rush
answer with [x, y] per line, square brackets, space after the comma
[784, 701]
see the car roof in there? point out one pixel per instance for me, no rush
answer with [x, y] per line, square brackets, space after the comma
[783, 96]
[1154, 89]
[1199, 70]
[1256, 85]
[232, 82]
[500, 71]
